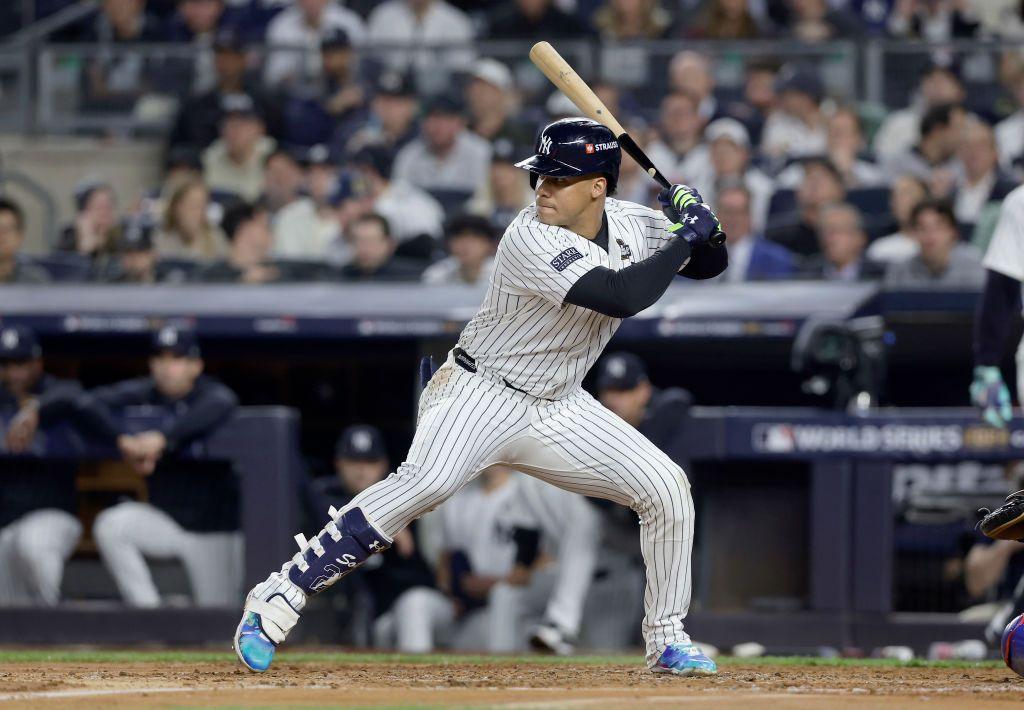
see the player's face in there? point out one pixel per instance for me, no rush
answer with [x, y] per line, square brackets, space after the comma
[357, 474]
[174, 375]
[19, 376]
[629, 404]
[561, 201]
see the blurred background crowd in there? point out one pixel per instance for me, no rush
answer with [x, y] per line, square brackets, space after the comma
[316, 140]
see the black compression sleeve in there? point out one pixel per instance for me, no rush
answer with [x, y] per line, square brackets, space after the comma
[999, 302]
[707, 262]
[625, 293]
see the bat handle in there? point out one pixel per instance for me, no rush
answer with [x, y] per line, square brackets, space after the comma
[718, 238]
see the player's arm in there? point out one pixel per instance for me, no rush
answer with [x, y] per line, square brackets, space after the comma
[212, 406]
[629, 291]
[94, 409]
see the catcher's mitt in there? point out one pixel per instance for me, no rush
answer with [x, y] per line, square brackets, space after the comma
[1007, 521]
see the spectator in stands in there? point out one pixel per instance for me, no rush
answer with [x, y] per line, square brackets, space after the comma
[821, 185]
[193, 509]
[842, 242]
[942, 259]
[816, 21]
[471, 241]
[979, 178]
[332, 113]
[196, 22]
[234, 162]
[797, 127]
[282, 181]
[14, 270]
[412, 211]
[360, 460]
[933, 21]
[373, 253]
[393, 110]
[690, 72]
[846, 150]
[200, 116]
[933, 159]
[907, 192]
[729, 149]
[185, 230]
[1010, 131]
[307, 227]
[631, 19]
[491, 103]
[634, 185]
[407, 23]
[532, 19]
[678, 150]
[135, 260]
[507, 191]
[117, 79]
[447, 160]
[38, 526]
[725, 19]
[900, 131]
[94, 229]
[759, 98]
[248, 259]
[298, 31]
[751, 257]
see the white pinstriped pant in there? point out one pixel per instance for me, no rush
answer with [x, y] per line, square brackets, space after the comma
[33, 551]
[468, 423]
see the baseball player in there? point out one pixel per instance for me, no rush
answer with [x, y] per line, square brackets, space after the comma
[567, 270]
[1004, 264]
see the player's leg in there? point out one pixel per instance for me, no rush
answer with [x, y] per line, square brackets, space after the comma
[420, 615]
[513, 608]
[214, 563]
[125, 535]
[463, 420]
[43, 542]
[583, 447]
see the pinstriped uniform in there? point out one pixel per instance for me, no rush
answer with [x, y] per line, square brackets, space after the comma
[524, 338]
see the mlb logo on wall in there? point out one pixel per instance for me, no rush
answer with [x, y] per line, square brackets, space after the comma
[589, 148]
[774, 438]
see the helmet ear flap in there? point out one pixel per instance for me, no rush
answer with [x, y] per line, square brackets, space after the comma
[533, 181]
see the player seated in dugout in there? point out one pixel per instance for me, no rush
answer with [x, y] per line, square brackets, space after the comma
[38, 526]
[192, 514]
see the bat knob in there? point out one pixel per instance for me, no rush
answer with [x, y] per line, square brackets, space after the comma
[717, 239]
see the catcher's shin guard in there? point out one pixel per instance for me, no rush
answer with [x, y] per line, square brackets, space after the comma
[344, 544]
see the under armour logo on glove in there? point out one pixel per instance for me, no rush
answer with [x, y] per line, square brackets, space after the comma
[692, 219]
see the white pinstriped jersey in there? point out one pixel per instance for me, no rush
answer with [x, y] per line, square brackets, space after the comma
[524, 332]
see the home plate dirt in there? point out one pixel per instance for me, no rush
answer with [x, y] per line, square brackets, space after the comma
[502, 684]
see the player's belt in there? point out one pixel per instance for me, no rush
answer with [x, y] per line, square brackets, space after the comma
[468, 363]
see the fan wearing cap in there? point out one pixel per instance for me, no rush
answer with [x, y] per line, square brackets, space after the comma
[678, 147]
[198, 121]
[336, 107]
[13, 269]
[471, 241]
[411, 211]
[234, 162]
[38, 526]
[298, 31]
[192, 513]
[730, 152]
[393, 111]
[447, 160]
[797, 127]
[135, 261]
[360, 460]
[306, 228]
[491, 101]
[94, 229]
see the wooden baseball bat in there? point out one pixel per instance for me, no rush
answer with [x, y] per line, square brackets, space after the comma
[554, 67]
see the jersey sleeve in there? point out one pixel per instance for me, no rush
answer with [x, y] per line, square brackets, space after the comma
[542, 262]
[1005, 252]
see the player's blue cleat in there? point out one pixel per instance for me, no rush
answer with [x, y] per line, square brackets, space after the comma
[254, 648]
[684, 659]
[272, 609]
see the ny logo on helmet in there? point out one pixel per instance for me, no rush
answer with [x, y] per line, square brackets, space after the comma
[545, 144]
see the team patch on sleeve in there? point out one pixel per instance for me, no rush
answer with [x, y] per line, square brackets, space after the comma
[562, 261]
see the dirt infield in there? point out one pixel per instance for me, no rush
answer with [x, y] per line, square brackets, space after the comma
[62, 681]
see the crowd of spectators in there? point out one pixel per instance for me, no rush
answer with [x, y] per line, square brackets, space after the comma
[300, 150]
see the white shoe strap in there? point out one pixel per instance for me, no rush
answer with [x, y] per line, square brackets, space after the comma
[282, 616]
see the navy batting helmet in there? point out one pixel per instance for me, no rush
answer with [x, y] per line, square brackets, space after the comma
[575, 146]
